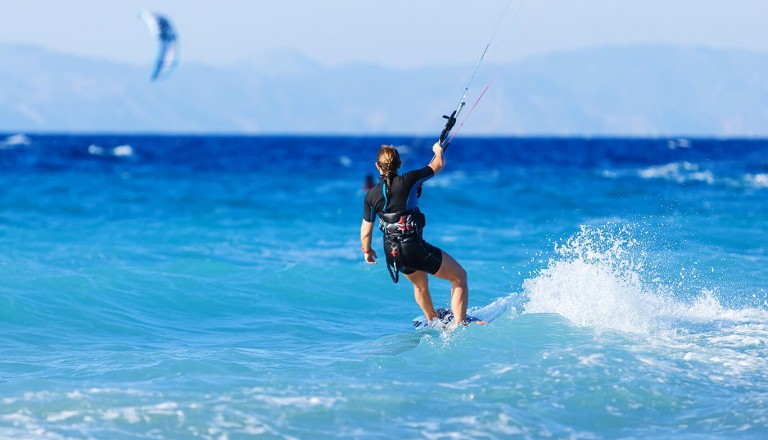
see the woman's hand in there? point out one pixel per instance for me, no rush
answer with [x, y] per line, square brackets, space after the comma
[370, 257]
[437, 163]
[366, 230]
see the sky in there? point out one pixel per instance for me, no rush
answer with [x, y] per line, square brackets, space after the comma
[396, 33]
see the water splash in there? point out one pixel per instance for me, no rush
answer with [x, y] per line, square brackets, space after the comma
[600, 278]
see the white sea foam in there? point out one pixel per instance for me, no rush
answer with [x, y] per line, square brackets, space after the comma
[756, 180]
[119, 151]
[299, 401]
[122, 151]
[679, 172]
[598, 280]
[686, 172]
[509, 304]
[95, 150]
[61, 416]
[674, 144]
[594, 282]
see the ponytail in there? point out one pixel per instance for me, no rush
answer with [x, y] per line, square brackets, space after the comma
[389, 162]
[387, 184]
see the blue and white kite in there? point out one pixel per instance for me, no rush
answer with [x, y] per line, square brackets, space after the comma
[167, 51]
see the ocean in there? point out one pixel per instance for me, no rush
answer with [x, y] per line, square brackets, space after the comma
[212, 287]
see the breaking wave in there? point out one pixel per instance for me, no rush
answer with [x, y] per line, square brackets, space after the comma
[600, 278]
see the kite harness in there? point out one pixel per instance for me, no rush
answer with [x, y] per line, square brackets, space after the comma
[400, 228]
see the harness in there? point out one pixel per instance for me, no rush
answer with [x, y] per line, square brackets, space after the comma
[398, 228]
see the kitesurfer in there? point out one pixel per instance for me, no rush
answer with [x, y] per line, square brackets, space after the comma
[369, 183]
[394, 199]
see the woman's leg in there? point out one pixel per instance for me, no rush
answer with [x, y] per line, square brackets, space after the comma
[421, 293]
[452, 271]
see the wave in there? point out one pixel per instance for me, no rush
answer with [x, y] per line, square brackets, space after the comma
[119, 151]
[680, 172]
[601, 278]
[684, 172]
[674, 144]
[756, 180]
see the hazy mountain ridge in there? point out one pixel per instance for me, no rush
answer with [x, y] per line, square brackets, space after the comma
[634, 90]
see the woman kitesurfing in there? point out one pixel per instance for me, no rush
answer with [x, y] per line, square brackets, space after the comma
[395, 201]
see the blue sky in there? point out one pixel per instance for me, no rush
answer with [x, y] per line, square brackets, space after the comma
[396, 33]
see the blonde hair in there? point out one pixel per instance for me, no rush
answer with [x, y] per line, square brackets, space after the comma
[389, 161]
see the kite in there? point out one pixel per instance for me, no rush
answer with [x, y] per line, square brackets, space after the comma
[167, 51]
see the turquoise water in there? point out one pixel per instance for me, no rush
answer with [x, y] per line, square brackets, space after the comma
[213, 287]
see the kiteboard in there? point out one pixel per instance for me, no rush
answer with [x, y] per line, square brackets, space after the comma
[445, 317]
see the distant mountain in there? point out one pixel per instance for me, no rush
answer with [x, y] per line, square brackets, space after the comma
[634, 90]
[637, 90]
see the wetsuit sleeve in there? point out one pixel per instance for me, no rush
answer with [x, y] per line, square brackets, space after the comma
[420, 175]
[413, 180]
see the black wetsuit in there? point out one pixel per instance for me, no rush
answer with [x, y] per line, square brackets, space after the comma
[400, 211]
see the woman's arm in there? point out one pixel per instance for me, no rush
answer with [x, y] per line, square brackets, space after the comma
[438, 162]
[366, 234]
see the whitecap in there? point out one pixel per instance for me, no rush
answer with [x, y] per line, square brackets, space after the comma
[756, 180]
[61, 416]
[674, 144]
[95, 150]
[119, 151]
[679, 172]
[299, 401]
[122, 151]
[19, 139]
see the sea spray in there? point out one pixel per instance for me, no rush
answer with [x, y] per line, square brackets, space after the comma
[603, 278]
[596, 279]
